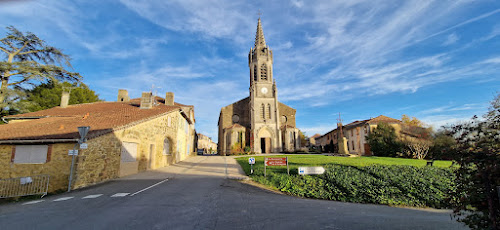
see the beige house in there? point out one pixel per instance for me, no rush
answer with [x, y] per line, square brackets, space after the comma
[259, 121]
[206, 144]
[356, 132]
[125, 137]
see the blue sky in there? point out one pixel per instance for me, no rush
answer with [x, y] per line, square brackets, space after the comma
[436, 60]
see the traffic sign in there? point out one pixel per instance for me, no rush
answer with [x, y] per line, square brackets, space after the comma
[311, 170]
[251, 160]
[84, 146]
[73, 152]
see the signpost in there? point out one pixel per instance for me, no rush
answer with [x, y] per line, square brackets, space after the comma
[251, 161]
[83, 131]
[311, 170]
[276, 161]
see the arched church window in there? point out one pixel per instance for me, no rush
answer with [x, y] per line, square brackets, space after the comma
[263, 72]
[268, 111]
[262, 110]
[254, 73]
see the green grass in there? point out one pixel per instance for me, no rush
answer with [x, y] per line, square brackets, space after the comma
[380, 180]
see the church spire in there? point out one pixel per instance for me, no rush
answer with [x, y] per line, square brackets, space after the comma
[260, 41]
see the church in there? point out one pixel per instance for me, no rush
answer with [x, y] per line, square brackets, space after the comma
[258, 123]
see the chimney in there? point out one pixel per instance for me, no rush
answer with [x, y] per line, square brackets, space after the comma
[64, 99]
[169, 98]
[123, 95]
[147, 100]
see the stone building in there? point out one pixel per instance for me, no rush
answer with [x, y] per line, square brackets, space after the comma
[259, 121]
[206, 144]
[125, 137]
[356, 132]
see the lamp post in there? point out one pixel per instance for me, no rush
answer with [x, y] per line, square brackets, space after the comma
[83, 131]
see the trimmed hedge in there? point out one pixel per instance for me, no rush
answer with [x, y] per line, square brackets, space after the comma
[379, 184]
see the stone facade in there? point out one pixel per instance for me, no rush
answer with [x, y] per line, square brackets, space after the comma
[161, 140]
[259, 121]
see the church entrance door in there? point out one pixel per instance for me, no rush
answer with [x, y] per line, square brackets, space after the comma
[265, 145]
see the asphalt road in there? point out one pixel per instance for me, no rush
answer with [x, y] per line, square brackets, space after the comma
[202, 193]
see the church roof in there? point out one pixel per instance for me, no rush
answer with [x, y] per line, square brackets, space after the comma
[260, 41]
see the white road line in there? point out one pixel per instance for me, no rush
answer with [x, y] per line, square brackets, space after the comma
[34, 202]
[92, 196]
[64, 198]
[148, 187]
[121, 194]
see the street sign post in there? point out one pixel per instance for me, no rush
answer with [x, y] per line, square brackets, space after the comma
[251, 161]
[83, 131]
[311, 170]
[276, 161]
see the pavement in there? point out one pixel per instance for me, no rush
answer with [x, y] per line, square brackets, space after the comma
[205, 192]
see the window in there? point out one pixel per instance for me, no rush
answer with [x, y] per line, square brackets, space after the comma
[166, 147]
[262, 110]
[30, 154]
[263, 72]
[269, 111]
[254, 73]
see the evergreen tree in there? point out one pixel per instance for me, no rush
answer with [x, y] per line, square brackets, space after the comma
[383, 141]
[29, 61]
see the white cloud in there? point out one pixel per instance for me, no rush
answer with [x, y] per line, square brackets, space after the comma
[451, 39]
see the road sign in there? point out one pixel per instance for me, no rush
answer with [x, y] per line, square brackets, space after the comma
[84, 146]
[73, 152]
[311, 170]
[251, 160]
[83, 130]
[275, 161]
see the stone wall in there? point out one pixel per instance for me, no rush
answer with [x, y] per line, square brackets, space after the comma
[57, 166]
[289, 112]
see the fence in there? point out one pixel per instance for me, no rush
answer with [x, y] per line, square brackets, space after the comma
[24, 186]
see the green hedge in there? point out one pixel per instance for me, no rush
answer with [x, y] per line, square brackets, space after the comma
[379, 184]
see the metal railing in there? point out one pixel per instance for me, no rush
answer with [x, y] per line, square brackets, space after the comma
[24, 186]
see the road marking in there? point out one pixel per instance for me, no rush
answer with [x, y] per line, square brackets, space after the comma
[121, 194]
[34, 202]
[148, 187]
[64, 198]
[92, 196]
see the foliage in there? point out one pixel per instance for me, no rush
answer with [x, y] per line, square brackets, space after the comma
[29, 60]
[417, 148]
[475, 200]
[350, 180]
[443, 145]
[48, 95]
[247, 149]
[413, 121]
[303, 139]
[383, 141]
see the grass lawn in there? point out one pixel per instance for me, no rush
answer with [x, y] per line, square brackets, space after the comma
[380, 180]
[320, 160]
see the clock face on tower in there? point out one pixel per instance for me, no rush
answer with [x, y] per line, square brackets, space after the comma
[263, 90]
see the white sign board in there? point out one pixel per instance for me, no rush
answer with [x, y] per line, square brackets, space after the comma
[311, 170]
[251, 160]
[84, 146]
[73, 152]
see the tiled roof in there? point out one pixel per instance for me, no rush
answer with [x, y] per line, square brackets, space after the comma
[383, 118]
[236, 125]
[62, 123]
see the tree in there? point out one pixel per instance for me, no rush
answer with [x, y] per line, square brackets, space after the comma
[413, 121]
[475, 199]
[303, 139]
[29, 60]
[443, 145]
[417, 148]
[383, 141]
[48, 95]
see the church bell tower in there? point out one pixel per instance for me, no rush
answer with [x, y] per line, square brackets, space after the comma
[264, 113]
